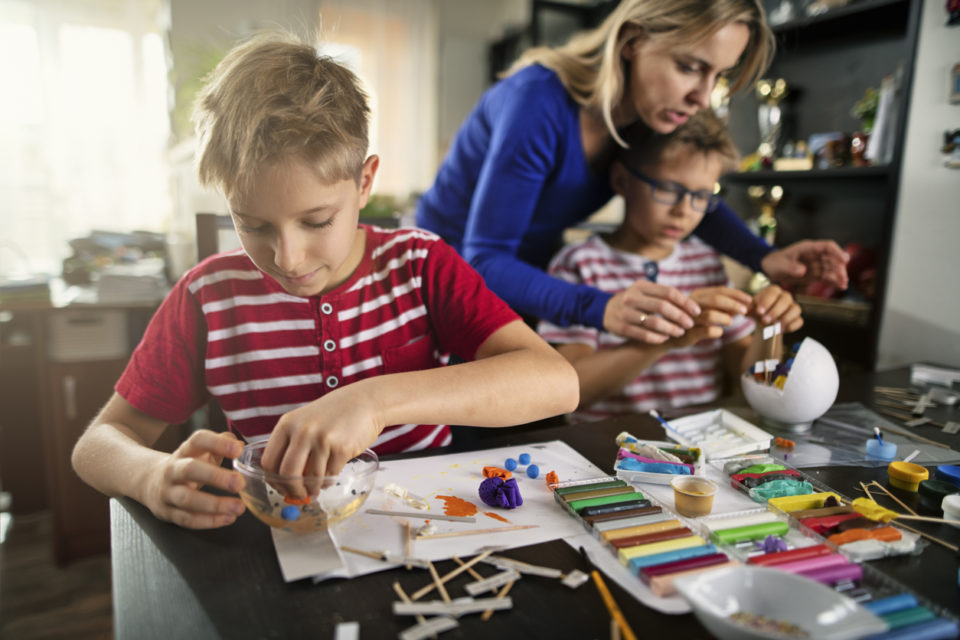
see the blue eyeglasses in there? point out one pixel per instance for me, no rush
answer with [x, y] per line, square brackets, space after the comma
[671, 193]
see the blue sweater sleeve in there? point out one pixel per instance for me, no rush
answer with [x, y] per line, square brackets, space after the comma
[723, 230]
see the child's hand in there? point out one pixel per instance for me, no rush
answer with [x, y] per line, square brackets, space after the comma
[319, 438]
[720, 305]
[630, 313]
[772, 304]
[172, 491]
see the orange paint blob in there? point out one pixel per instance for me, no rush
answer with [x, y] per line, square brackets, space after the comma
[495, 516]
[454, 506]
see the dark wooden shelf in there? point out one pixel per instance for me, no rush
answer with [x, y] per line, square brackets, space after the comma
[838, 173]
[838, 311]
[874, 12]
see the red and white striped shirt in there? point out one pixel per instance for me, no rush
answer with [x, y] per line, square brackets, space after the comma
[682, 377]
[228, 330]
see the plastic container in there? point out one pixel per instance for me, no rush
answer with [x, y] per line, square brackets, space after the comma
[951, 507]
[949, 473]
[933, 491]
[906, 475]
[881, 450]
[693, 496]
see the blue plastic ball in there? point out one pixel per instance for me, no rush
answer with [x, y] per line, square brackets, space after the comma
[533, 471]
[290, 512]
[510, 464]
[524, 458]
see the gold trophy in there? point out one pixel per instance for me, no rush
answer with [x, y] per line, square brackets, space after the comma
[770, 92]
[767, 199]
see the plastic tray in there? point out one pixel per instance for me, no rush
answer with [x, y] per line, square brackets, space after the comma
[654, 478]
[719, 433]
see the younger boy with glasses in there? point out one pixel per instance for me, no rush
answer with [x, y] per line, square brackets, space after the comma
[668, 186]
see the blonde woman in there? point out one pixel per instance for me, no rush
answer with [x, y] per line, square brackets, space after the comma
[532, 160]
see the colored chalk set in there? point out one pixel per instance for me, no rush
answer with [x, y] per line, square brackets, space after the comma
[798, 526]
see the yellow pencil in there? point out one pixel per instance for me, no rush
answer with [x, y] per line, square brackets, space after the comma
[612, 607]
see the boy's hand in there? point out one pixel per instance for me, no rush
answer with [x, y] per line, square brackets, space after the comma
[319, 438]
[649, 313]
[172, 490]
[720, 305]
[773, 304]
[808, 260]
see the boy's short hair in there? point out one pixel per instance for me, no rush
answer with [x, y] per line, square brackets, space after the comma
[272, 98]
[704, 132]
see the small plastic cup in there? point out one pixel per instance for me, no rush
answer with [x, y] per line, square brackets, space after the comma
[881, 450]
[693, 496]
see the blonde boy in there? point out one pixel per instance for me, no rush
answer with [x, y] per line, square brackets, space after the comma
[667, 183]
[322, 335]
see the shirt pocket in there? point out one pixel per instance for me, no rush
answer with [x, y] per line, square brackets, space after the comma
[416, 355]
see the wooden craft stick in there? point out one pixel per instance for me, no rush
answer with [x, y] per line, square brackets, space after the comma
[471, 532]
[430, 587]
[403, 596]
[376, 555]
[893, 497]
[473, 572]
[436, 581]
[419, 514]
[503, 593]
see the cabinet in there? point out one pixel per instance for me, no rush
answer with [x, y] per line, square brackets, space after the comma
[828, 61]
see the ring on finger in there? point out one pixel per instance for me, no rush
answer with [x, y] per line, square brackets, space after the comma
[643, 319]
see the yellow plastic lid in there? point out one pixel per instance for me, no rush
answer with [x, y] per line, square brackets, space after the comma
[907, 473]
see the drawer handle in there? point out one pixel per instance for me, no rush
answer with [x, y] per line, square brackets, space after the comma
[70, 396]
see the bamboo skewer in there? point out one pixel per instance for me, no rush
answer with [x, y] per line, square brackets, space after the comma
[436, 580]
[893, 497]
[902, 525]
[430, 587]
[376, 555]
[503, 593]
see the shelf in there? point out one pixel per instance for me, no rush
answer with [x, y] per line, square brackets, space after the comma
[839, 173]
[840, 311]
[886, 12]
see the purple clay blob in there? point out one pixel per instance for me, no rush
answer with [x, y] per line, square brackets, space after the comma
[489, 490]
[511, 493]
[495, 492]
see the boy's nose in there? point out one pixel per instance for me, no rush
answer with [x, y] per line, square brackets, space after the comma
[288, 254]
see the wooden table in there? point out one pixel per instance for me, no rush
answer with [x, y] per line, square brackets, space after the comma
[170, 582]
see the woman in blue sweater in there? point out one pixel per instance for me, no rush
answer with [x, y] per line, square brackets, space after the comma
[532, 159]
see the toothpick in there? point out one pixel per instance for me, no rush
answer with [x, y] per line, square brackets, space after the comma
[376, 555]
[407, 544]
[455, 534]
[430, 587]
[436, 581]
[892, 497]
[503, 593]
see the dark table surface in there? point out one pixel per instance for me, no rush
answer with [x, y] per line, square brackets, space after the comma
[170, 582]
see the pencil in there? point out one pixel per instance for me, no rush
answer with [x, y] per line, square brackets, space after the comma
[608, 600]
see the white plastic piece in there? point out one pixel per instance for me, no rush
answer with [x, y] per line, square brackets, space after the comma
[429, 628]
[493, 582]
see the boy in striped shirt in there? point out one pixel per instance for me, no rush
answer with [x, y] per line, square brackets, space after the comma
[667, 183]
[321, 335]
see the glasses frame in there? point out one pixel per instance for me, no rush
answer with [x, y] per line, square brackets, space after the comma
[678, 190]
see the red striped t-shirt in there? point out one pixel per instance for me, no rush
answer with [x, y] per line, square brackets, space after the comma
[228, 330]
[682, 377]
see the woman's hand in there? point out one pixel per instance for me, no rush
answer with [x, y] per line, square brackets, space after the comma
[649, 313]
[319, 438]
[772, 304]
[808, 260]
[172, 488]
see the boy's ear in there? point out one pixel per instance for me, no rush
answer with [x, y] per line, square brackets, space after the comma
[367, 173]
[619, 178]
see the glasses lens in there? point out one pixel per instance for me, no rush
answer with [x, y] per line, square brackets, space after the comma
[666, 194]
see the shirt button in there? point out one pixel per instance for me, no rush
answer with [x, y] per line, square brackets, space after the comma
[329, 345]
[326, 308]
[332, 381]
[652, 271]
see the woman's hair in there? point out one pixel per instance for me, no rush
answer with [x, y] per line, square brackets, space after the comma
[703, 133]
[273, 98]
[591, 67]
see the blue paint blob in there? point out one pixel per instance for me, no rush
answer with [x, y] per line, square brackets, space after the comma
[533, 471]
[290, 512]
[510, 464]
[524, 458]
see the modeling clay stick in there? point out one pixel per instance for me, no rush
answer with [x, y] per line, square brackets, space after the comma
[891, 604]
[630, 521]
[740, 521]
[597, 493]
[629, 513]
[681, 565]
[577, 505]
[809, 564]
[821, 511]
[908, 617]
[670, 556]
[633, 541]
[778, 557]
[589, 486]
[627, 554]
[825, 524]
[663, 586]
[807, 501]
[833, 575]
[751, 532]
[937, 629]
[642, 530]
[601, 509]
